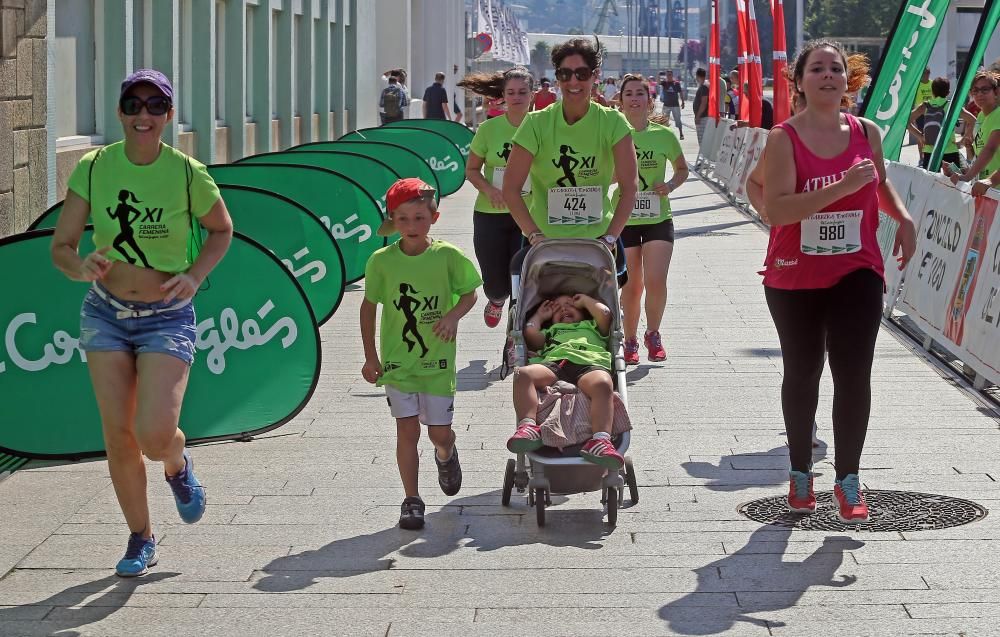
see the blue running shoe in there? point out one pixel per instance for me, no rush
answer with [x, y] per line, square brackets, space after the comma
[189, 495]
[139, 556]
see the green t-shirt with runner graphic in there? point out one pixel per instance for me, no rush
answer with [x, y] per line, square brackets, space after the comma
[572, 168]
[655, 146]
[985, 125]
[415, 292]
[493, 143]
[579, 343]
[141, 212]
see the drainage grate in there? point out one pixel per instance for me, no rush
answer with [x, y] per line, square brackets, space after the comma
[888, 511]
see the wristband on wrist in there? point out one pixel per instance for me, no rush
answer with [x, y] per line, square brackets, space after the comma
[537, 233]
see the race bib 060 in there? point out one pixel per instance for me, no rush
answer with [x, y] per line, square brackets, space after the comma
[498, 175]
[576, 206]
[830, 233]
[647, 205]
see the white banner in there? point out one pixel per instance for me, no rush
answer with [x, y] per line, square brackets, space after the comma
[914, 186]
[933, 274]
[974, 310]
[707, 139]
[723, 162]
[752, 149]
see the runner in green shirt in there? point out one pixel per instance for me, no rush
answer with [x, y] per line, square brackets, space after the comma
[424, 286]
[572, 150]
[649, 235]
[495, 236]
[986, 93]
[137, 323]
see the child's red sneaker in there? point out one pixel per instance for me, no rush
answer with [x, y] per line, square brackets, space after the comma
[654, 347]
[492, 313]
[601, 452]
[528, 437]
[631, 351]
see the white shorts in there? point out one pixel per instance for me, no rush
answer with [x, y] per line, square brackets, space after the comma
[431, 410]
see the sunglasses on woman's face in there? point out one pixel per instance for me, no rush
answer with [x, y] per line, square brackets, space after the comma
[155, 105]
[582, 73]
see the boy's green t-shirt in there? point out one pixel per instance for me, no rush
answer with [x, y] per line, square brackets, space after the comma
[142, 211]
[572, 168]
[415, 292]
[951, 146]
[579, 343]
[655, 146]
[493, 143]
[985, 125]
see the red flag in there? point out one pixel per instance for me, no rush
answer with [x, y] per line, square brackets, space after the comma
[782, 103]
[714, 64]
[756, 71]
[743, 55]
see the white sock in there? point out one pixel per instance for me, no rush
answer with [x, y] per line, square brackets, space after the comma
[602, 435]
[527, 421]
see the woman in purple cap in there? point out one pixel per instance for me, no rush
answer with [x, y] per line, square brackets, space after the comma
[137, 325]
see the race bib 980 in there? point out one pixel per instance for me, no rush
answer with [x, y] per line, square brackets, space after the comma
[647, 205]
[830, 233]
[576, 206]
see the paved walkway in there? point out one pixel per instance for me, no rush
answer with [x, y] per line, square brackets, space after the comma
[300, 538]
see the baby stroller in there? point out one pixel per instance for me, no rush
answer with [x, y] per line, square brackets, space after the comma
[568, 266]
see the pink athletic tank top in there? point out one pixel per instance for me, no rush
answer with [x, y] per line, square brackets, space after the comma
[819, 251]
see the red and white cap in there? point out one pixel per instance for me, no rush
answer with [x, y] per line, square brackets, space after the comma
[399, 193]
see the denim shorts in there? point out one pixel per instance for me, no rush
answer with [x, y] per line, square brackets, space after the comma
[169, 332]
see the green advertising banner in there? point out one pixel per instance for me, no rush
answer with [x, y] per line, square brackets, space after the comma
[894, 86]
[297, 238]
[373, 175]
[443, 156]
[459, 134]
[402, 160]
[343, 206]
[256, 366]
[984, 36]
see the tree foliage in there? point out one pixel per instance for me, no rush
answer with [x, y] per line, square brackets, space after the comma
[850, 18]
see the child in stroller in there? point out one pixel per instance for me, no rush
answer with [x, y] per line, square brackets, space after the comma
[570, 333]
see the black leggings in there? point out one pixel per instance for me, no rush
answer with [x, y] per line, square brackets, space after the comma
[496, 239]
[842, 320]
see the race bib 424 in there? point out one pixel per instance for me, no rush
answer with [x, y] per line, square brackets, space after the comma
[576, 206]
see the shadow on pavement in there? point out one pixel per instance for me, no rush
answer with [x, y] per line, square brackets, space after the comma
[446, 531]
[762, 580]
[475, 376]
[711, 472]
[77, 606]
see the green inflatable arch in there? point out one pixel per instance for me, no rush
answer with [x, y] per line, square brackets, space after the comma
[297, 238]
[437, 150]
[257, 357]
[459, 135]
[403, 160]
[344, 207]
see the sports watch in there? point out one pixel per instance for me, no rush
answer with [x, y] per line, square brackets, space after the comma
[609, 240]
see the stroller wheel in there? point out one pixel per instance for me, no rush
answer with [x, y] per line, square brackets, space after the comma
[633, 487]
[540, 506]
[613, 495]
[508, 483]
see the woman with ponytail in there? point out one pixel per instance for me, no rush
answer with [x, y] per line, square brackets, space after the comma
[495, 235]
[649, 233]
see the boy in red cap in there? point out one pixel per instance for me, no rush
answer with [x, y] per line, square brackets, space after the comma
[425, 286]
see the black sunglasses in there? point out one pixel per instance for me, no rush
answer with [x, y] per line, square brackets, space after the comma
[155, 105]
[582, 73]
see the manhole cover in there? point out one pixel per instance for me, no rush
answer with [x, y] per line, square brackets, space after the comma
[888, 511]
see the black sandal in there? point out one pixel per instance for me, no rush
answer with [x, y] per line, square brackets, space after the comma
[411, 514]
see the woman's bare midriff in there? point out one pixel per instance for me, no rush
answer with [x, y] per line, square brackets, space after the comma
[132, 283]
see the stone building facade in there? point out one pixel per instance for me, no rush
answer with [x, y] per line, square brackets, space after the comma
[24, 161]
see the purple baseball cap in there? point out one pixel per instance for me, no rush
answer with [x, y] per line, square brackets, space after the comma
[149, 76]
